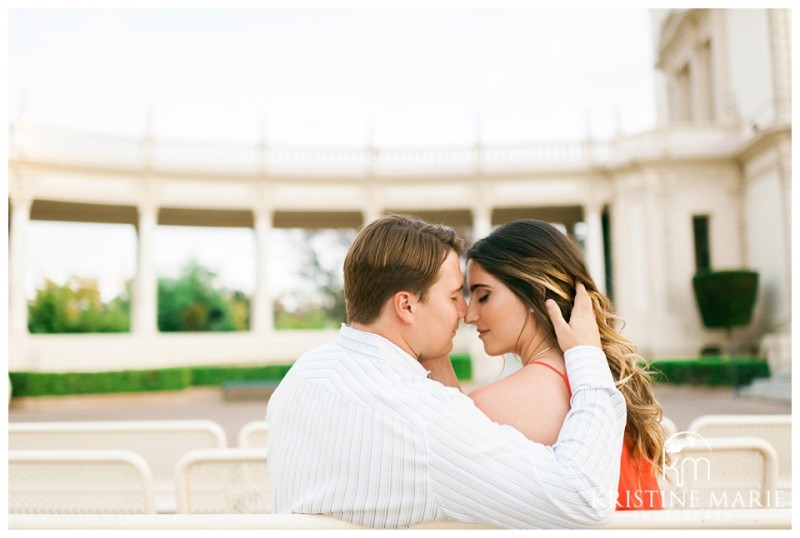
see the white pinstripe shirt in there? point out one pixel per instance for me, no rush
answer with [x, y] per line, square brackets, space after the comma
[358, 432]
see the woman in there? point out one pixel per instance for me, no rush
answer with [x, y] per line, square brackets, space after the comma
[510, 274]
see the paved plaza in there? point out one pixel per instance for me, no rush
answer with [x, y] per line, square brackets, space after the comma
[682, 404]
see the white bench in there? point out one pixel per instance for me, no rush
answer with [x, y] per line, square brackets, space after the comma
[223, 481]
[775, 429]
[668, 427]
[161, 443]
[254, 434]
[766, 518]
[722, 473]
[79, 482]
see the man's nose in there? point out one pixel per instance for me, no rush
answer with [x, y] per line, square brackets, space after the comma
[462, 307]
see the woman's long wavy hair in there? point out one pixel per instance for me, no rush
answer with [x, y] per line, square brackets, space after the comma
[538, 262]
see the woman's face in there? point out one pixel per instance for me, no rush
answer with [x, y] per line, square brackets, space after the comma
[497, 313]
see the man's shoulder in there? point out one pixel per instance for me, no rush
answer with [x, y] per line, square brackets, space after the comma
[328, 349]
[359, 377]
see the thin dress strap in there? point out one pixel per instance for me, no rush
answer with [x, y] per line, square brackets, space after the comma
[562, 376]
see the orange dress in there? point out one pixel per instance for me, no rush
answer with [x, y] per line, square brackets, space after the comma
[638, 489]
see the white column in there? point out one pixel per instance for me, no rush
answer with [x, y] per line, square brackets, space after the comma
[261, 316]
[595, 257]
[145, 291]
[481, 222]
[371, 213]
[780, 54]
[17, 267]
[371, 208]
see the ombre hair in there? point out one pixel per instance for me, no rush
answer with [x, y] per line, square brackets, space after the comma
[394, 253]
[537, 261]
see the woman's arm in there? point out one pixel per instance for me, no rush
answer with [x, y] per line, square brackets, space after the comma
[441, 369]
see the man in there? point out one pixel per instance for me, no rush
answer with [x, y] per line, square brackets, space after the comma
[372, 428]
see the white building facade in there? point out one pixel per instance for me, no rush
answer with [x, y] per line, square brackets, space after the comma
[709, 185]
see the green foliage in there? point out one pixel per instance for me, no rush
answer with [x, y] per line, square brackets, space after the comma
[76, 307]
[322, 306]
[58, 384]
[326, 280]
[306, 317]
[725, 298]
[192, 302]
[712, 371]
[462, 364]
[216, 375]
[709, 371]
[240, 309]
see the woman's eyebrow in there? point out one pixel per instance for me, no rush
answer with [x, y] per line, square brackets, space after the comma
[476, 286]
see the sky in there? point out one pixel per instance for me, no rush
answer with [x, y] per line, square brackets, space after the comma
[312, 77]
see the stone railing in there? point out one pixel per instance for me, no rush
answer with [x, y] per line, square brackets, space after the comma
[54, 145]
[61, 146]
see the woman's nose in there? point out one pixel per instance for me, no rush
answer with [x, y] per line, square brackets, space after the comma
[472, 313]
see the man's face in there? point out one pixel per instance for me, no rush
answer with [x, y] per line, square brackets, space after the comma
[436, 320]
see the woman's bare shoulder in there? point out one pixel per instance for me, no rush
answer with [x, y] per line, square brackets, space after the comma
[532, 400]
[523, 380]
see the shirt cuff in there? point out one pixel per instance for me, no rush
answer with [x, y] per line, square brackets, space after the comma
[587, 367]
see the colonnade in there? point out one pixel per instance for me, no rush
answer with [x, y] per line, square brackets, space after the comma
[145, 288]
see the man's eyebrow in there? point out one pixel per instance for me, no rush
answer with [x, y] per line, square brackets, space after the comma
[459, 289]
[476, 286]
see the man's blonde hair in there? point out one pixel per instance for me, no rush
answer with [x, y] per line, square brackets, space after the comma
[394, 253]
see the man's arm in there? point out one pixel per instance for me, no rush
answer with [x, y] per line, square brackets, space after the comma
[481, 471]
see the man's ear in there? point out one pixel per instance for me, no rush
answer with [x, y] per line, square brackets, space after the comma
[403, 303]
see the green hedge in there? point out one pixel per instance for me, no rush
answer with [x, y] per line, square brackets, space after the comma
[204, 376]
[60, 384]
[711, 371]
[462, 364]
[725, 298]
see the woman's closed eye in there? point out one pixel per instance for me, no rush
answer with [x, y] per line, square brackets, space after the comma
[483, 298]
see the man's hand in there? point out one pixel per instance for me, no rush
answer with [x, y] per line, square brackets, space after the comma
[441, 370]
[582, 328]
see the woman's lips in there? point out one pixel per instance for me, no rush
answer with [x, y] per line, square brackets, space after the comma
[482, 333]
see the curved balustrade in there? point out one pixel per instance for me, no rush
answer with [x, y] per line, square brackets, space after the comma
[75, 147]
[181, 155]
[63, 146]
[325, 160]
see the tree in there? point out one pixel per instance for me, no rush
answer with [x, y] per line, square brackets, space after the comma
[726, 300]
[191, 302]
[194, 302]
[327, 281]
[77, 307]
[322, 303]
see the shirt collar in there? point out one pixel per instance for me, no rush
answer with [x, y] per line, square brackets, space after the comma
[379, 348]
